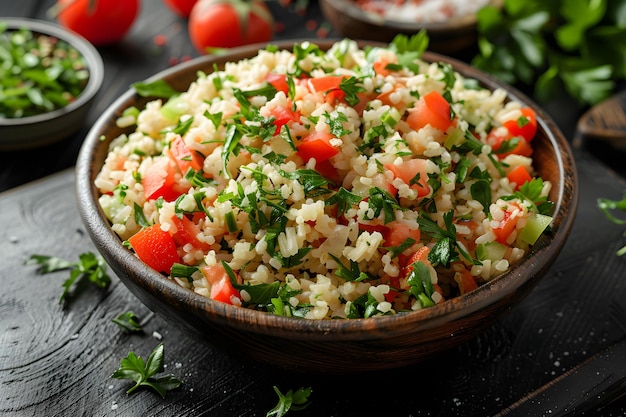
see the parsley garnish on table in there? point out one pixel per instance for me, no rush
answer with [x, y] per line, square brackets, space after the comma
[144, 374]
[607, 206]
[90, 266]
[295, 401]
[578, 46]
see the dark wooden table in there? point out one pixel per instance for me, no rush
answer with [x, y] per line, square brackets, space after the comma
[58, 362]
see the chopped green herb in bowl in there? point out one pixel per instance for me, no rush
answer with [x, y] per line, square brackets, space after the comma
[48, 80]
[39, 73]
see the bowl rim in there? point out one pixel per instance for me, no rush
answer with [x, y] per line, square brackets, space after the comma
[350, 10]
[93, 59]
[260, 322]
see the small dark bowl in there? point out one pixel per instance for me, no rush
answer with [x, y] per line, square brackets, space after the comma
[447, 37]
[45, 128]
[329, 346]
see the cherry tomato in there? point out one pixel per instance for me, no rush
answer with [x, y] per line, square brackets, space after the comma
[101, 22]
[181, 7]
[229, 23]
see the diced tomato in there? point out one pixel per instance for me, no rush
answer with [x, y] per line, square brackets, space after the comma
[155, 247]
[519, 175]
[431, 109]
[398, 232]
[328, 171]
[386, 99]
[505, 228]
[187, 233]
[380, 67]
[495, 138]
[221, 287]
[408, 171]
[371, 228]
[525, 126]
[465, 281]
[317, 145]
[283, 116]
[364, 99]
[419, 255]
[159, 180]
[329, 86]
[278, 81]
[394, 283]
[184, 157]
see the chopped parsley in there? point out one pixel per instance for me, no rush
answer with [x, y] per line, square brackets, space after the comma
[90, 267]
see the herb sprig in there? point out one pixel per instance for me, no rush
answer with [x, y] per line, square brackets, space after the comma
[295, 401]
[607, 206]
[90, 266]
[144, 374]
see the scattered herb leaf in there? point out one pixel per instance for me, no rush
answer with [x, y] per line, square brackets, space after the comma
[143, 373]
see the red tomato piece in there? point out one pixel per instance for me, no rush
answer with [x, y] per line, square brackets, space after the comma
[229, 23]
[329, 86]
[283, 116]
[317, 145]
[181, 7]
[155, 247]
[380, 67]
[505, 228]
[431, 109]
[525, 126]
[408, 171]
[278, 81]
[465, 281]
[221, 287]
[397, 233]
[496, 140]
[184, 157]
[419, 255]
[187, 233]
[102, 23]
[519, 175]
[160, 180]
[328, 171]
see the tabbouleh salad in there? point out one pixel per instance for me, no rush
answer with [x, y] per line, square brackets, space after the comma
[346, 183]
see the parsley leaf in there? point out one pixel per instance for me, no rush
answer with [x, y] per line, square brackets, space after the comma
[89, 266]
[143, 373]
[607, 206]
[576, 46]
[296, 401]
[128, 321]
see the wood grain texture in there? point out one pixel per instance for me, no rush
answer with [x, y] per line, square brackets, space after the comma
[606, 121]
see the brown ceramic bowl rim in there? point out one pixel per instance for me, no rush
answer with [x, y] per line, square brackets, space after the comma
[84, 47]
[154, 283]
[349, 9]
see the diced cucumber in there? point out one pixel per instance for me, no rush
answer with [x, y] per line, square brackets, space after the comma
[174, 108]
[491, 250]
[455, 138]
[535, 226]
[391, 117]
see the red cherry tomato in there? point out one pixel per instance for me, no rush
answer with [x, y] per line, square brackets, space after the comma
[181, 7]
[229, 23]
[101, 22]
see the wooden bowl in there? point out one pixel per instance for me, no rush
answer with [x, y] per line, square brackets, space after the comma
[45, 128]
[447, 37]
[328, 346]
